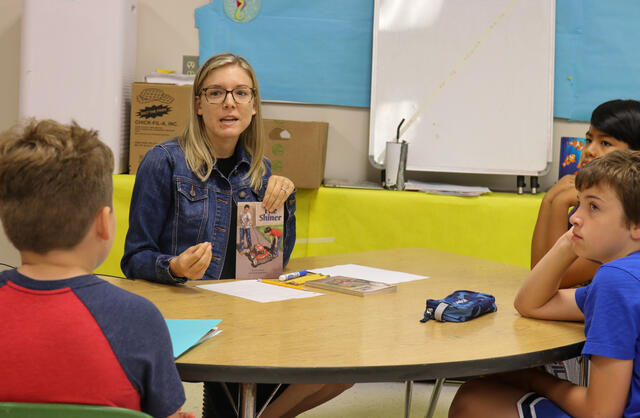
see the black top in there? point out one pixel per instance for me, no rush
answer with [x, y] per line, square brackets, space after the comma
[225, 165]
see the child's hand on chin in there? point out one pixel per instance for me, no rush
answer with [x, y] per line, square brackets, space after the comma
[566, 241]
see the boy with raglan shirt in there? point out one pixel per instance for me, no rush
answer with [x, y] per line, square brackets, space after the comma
[606, 229]
[66, 335]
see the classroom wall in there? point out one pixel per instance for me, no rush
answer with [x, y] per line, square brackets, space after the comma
[166, 32]
[10, 26]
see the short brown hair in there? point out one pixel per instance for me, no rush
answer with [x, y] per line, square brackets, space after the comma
[620, 170]
[54, 179]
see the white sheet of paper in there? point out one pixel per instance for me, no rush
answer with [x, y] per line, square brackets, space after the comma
[369, 273]
[258, 291]
[442, 188]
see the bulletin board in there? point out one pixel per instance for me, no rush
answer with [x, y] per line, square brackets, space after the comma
[597, 55]
[473, 81]
[304, 51]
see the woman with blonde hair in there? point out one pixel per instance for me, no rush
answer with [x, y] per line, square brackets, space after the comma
[183, 214]
[182, 220]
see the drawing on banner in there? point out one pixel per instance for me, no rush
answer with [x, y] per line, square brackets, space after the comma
[242, 11]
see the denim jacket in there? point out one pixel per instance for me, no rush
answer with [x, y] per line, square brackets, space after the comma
[172, 209]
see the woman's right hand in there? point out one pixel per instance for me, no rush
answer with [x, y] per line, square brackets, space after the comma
[192, 262]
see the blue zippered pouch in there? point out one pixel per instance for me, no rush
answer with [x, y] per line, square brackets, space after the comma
[460, 306]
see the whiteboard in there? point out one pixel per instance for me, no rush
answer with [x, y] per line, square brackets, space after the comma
[473, 79]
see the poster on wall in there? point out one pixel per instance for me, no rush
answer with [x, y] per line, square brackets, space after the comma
[305, 51]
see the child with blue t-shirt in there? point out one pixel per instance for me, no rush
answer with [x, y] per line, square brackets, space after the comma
[606, 229]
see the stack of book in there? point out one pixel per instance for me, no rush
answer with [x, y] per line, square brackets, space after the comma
[349, 285]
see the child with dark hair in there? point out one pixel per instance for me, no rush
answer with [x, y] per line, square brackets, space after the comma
[275, 236]
[614, 125]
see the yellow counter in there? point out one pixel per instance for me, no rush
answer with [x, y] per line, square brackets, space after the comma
[495, 226]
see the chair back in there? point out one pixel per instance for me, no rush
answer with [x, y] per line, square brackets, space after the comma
[64, 410]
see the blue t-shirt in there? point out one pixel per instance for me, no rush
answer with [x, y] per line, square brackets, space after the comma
[611, 307]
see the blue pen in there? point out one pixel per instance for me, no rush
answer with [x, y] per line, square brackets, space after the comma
[293, 275]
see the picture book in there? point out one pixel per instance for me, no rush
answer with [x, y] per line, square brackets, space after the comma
[259, 243]
[296, 283]
[570, 152]
[359, 287]
[188, 333]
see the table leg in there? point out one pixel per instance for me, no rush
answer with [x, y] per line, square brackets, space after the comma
[218, 401]
[435, 394]
[269, 400]
[407, 398]
[248, 407]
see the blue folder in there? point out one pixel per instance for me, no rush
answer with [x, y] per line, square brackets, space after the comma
[188, 333]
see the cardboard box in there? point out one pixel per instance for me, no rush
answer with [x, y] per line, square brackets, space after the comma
[297, 150]
[159, 112]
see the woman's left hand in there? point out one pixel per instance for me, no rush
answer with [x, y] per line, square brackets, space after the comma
[278, 190]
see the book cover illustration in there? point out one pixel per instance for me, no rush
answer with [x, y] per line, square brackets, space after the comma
[570, 153]
[259, 241]
[352, 286]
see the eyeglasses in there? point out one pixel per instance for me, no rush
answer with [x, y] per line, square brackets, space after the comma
[217, 95]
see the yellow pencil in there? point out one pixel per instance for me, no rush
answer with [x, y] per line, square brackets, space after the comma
[279, 283]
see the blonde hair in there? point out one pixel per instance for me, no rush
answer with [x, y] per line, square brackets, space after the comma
[54, 179]
[194, 140]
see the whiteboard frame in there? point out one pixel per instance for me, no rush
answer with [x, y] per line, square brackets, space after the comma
[526, 159]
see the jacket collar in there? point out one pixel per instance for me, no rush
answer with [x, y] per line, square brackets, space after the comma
[242, 156]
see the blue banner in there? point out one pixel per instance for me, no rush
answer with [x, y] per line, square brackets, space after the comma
[597, 56]
[306, 51]
[320, 51]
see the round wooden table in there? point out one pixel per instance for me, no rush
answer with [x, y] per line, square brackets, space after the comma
[344, 338]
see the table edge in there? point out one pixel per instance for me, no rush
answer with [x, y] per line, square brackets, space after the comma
[256, 374]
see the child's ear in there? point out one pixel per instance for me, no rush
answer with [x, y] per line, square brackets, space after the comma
[103, 223]
[635, 231]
